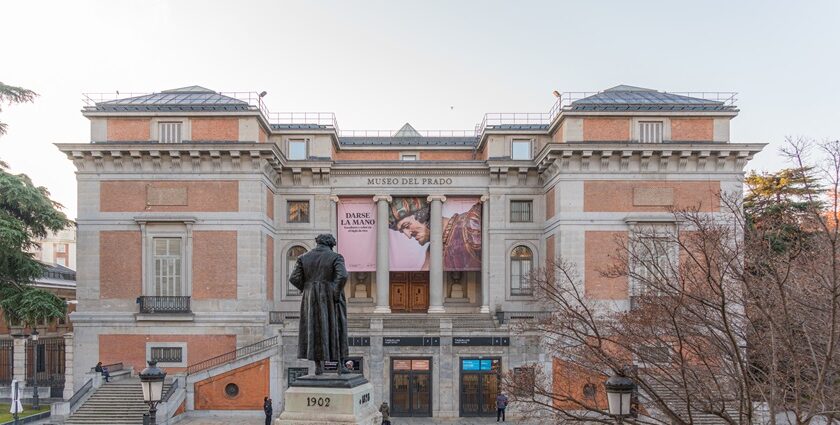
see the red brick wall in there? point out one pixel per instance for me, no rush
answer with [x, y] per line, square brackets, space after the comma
[568, 382]
[252, 380]
[692, 129]
[120, 274]
[263, 136]
[446, 155]
[606, 129]
[269, 204]
[618, 195]
[550, 254]
[269, 268]
[215, 129]
[131, 349]
[202, 196]
[600, 251]
[549, 202]
[214, 265]
[129, 129]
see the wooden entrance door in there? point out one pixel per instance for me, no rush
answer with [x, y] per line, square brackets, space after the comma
[409, 292]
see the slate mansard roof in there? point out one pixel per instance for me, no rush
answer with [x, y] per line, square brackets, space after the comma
[192, 98]
[629, 98]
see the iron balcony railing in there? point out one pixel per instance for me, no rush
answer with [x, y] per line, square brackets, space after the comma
[169, 304]
[275, 317]
[233, 355]
[391, 133]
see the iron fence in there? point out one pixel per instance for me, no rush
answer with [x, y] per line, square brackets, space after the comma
[508, 316]
[45, 363]
[233, 355]
[169, 304]
[7, 361]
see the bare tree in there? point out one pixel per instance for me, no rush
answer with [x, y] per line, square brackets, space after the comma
[721, 326]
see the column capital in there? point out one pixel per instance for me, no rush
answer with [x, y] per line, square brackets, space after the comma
[386, 198]
[484, 198]
[334, 198]
[440, 198]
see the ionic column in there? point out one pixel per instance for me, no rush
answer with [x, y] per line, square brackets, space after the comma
[436, 255]
[383, 299]
[485, 254]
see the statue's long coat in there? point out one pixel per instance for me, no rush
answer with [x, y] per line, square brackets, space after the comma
[320, 275]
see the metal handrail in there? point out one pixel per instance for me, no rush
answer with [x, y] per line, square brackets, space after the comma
[169, 392]
[77, 396]
[232, 355]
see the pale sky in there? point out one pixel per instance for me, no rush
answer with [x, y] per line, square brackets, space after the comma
[380, 64]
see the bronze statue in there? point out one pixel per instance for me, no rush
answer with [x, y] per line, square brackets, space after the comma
[320, 275]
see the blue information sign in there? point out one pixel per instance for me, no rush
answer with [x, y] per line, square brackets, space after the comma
[486, 364]
[472, 364]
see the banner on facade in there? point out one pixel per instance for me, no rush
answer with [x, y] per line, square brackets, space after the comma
[409, 234]
[462, 234]
[357, 233]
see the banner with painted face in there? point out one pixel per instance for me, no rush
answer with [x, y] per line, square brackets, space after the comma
[357, 233]
[462, 234]
[410, 233]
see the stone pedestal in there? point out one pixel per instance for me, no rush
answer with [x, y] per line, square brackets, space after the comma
[330, 399]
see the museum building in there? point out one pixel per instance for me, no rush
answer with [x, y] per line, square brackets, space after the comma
[194, 206]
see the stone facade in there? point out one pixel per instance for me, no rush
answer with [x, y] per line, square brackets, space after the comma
[212, 222]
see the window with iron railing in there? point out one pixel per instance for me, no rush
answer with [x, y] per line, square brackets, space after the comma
[169, 132]
[407, 157]
[650, 131]
[654, 262]
[521, 211]
[521, 259]
[167, 354]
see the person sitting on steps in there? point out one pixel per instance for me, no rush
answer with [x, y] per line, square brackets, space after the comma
[103, 371]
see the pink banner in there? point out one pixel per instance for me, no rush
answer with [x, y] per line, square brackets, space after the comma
[462, 234]
[357, 233]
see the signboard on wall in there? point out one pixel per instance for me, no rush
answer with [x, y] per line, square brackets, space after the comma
[357, 233]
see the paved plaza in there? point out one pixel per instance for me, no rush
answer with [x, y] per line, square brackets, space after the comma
[220, 420]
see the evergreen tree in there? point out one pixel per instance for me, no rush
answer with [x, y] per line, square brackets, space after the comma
[26, 213]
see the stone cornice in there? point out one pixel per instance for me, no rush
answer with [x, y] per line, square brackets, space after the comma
[644, 157]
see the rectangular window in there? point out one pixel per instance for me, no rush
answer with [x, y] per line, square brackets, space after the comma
[520, 149]
[298, 212]
[521, 211]
[519, 275]
[654, 354]
[409, 157]
[297, 149]
[167, 354]
[654, 262]
[524, 381]
[61, 261]
[62, 247]
[169, 132]
[167, 267]
[650, 131]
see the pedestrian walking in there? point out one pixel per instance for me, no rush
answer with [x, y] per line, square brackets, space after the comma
[268, 409]
[501, 405]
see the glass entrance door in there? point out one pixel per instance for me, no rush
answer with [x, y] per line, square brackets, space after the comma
[411, 387]
[479, 386]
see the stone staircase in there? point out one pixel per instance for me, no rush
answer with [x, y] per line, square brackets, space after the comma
[115, 403]
[679, 406]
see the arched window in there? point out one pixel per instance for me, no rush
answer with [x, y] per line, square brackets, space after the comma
[291, 258]
[521, 259]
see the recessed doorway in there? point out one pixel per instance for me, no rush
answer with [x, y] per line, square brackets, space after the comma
[409, 292]
[411, 387]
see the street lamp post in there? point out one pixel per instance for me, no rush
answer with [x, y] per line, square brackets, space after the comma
[35, 403]
[151, 379]
[619, 394]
